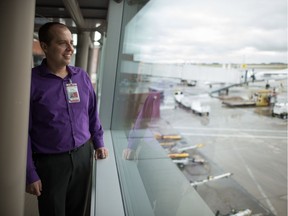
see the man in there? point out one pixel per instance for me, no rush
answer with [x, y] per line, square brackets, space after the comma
[63, 122]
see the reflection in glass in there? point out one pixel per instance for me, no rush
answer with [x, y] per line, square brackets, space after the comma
[149, 113]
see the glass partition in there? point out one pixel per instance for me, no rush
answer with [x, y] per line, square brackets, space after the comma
[197, 126]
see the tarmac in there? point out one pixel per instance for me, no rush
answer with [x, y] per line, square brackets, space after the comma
[245, 141]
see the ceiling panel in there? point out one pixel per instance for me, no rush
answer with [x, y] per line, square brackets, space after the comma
[93, 12]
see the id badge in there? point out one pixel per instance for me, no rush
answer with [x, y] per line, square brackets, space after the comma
[72, 92]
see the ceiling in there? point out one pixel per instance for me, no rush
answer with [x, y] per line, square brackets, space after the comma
[78, 15]
[84, 15]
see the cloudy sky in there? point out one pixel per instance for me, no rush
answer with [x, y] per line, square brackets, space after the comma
[206, 31]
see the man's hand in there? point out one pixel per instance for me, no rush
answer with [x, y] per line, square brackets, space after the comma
[129, 154]
[35, 188]
[101, 153]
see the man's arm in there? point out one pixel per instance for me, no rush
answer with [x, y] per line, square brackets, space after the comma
[33, 183]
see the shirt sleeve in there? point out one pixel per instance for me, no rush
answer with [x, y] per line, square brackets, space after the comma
[31, 174]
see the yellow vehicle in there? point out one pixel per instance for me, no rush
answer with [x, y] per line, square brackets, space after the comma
[262, 97]
[159, 136]
[178, 155]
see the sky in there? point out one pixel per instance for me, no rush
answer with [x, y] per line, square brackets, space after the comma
[209, 31]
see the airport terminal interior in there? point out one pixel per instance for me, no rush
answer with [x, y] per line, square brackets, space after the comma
[192, 97]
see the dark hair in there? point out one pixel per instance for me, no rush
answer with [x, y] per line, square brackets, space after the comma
[44, 35]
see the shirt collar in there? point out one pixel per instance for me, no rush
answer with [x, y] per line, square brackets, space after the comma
[45, 71]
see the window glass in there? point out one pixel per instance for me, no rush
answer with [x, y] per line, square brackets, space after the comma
[201, 107]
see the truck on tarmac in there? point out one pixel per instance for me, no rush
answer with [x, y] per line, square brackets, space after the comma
[200, 108]
[280, 109]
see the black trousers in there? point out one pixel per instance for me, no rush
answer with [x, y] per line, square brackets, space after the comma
[65, 182]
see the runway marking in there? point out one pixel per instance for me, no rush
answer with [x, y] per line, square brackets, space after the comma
[234, 135]
[231, 129]
[270, 206]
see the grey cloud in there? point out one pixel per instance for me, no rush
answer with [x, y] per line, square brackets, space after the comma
[212, 28]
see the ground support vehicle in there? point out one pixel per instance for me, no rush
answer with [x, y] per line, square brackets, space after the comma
[199, 108]
[280, 109]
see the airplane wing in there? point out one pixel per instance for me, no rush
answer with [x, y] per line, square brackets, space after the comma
[270, 75]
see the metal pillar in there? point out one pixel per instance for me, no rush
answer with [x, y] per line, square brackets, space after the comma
[108, 74]
[17, 23]
[83, 50]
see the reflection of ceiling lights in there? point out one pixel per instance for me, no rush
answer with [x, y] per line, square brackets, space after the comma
[96, 44]
[75, 38]
[97, 36]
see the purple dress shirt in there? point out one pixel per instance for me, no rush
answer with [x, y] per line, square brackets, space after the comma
[55, 125]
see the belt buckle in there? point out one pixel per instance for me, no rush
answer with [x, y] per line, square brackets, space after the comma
[73, 150]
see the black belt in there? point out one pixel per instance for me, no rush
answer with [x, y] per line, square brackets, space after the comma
[74, 150]
[60, 153]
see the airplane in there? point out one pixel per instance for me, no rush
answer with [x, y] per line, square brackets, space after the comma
[269, 75]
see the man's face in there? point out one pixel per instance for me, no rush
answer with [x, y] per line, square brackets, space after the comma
[60, 49]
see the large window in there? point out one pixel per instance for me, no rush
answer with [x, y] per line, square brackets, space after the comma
[200, 113]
